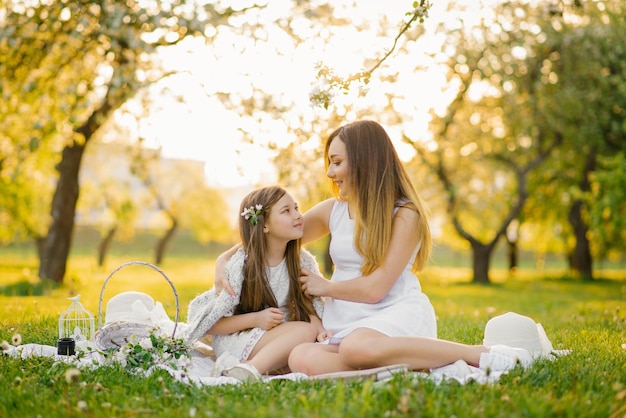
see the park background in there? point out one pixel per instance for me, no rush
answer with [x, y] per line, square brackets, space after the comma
[131, 130]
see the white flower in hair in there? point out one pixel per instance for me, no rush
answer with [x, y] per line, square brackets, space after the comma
[252, 213]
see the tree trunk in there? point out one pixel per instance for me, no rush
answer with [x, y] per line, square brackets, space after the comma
[53, 261]
[580, 258]
[105, 244]
[162, 244]
[481, 258]
[512, 241]
[512, 254]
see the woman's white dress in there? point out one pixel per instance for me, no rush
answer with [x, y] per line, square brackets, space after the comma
[241, 344]
[405, 311]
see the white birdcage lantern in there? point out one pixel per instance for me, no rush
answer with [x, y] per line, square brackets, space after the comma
[76, 322]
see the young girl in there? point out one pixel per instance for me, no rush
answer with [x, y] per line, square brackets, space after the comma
[268, 315]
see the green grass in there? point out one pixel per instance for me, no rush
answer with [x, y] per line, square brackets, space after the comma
[588, 318]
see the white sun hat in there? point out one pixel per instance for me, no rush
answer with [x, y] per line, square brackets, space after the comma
[519, 331]
[128, 319]
[130, 307]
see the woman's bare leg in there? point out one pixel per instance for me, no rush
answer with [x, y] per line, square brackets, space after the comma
[272, 350]
[313, 359]
[366, 348]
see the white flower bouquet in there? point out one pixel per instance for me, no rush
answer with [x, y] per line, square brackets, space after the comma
[156, 350]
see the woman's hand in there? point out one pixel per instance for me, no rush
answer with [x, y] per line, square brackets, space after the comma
[313, 284]
[221, 280]
[269, 318]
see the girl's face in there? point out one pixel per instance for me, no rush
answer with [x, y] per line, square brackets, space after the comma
[285, 222]
[338, 166]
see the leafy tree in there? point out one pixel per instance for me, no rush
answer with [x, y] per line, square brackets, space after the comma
[490, 137]
[607, 203]
[205, 213]
[66, 67]
[512, 133]
[179, 194]
[24, 187]
[586, 104]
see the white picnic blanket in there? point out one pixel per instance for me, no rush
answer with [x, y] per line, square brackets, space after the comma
[198, 368]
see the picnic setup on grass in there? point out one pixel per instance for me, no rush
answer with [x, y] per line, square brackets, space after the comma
[135, 332]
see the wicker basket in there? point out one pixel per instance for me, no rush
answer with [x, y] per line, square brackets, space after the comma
[115, 334]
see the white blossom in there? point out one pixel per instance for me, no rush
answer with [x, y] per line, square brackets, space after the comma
[146, 343]
[72, 375]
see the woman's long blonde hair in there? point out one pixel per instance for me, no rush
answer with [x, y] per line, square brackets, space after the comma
[256, 293]
[379, 182]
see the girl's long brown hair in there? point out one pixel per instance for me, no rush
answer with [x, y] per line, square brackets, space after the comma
[256, 293]
[378, 180]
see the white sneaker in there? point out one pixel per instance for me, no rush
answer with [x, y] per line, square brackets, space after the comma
[501, 358]
[458, 370]
[243, 372]
[223, 362]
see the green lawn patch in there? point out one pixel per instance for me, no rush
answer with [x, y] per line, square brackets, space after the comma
[588, 318]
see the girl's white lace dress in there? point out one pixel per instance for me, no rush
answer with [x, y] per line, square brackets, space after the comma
[242, 343]
[207, 308]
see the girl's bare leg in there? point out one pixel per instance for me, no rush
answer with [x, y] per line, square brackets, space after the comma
[272, 350]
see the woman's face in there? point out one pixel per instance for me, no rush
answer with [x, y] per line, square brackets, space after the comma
[338, 166]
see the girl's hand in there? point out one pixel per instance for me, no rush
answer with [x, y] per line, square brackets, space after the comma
[324, 335]
[316, 322]
[269, 318]
[313, 284]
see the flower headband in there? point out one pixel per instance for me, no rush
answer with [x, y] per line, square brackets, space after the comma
[252, 213]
